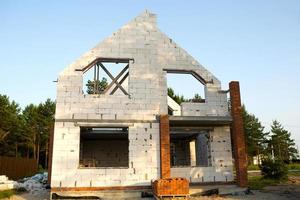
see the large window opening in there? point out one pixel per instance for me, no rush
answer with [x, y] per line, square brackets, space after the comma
[190, 149]
[104, 147]
[185, 88]
[106, 76]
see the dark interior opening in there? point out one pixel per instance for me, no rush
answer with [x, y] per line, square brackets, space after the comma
[104, 147]
[190, 148]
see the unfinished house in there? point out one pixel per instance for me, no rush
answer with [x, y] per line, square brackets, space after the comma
[125, 132]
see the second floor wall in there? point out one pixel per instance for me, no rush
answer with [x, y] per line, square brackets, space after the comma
[150, 55]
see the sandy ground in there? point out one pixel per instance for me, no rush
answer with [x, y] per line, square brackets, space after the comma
[43, 195]
[272, 193]
[290, 190]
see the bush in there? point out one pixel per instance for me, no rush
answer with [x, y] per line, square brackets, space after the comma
[294, 166]
[274, 169]
[253, 167]
[6, 194]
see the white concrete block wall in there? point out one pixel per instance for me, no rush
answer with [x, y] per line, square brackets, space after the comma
[216, 104]
[221, 159]
[174, 106]
[143, 159]
[152, 52]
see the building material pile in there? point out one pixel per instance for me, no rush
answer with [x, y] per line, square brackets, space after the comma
[34, 183]
[170, 187]
[6, 184]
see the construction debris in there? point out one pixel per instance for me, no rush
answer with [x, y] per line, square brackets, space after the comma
[5, 183]
[34, 183]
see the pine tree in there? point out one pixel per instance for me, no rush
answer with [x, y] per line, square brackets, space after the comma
[280, 144]
[100, 86]
[256, 138]
[10, 128]
[177, 98]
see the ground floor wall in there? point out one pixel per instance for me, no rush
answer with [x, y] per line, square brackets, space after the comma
[144, 162]
[221, 167]
[144, 158]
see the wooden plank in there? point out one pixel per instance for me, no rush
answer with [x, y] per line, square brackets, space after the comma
[61, 189]
[114, 80]
[102, 59]
[122, 80]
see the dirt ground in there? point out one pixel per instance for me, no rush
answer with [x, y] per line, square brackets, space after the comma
[290, 190]
[272, 193]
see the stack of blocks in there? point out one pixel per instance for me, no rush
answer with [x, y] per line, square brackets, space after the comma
[6, 184]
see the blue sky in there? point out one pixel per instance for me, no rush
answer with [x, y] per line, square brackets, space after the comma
[255, 42]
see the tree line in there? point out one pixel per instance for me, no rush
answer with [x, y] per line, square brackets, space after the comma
[274, 144]
[25, 132]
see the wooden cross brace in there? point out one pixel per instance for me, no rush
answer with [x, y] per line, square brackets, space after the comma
[115, 79]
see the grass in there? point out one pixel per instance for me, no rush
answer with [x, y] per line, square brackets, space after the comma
[258, 182]
[291, 166]
[6, 193]
[253, 167]
[9, 193]
[294, 166]
[294, 173]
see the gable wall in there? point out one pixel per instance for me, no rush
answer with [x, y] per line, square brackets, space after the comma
[152, 52]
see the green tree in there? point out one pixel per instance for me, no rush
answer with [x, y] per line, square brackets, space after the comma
[30, 124]
[96, 87]
[46, 113]
[37, 123]
[197, 98]
[9, 126]
[177, 98]
[26, 133]
[256, 138]
[281, 146]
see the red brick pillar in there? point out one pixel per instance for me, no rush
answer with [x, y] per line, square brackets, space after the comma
[238, 135]
[165, 167]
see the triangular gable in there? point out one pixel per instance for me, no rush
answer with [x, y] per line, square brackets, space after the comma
[142, 34]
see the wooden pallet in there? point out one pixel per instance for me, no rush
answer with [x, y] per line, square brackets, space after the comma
[171, 197]
[171, 188]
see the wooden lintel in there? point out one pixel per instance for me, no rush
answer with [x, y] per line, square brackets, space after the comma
[102, 59]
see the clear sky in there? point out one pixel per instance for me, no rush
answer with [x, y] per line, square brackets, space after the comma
[256, 42]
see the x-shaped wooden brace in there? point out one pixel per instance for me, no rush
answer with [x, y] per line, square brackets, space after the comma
[115, 79]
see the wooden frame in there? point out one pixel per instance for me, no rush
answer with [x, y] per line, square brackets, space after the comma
[98, 62]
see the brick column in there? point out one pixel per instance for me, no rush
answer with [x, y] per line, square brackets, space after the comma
[165, 165]
[238, 136]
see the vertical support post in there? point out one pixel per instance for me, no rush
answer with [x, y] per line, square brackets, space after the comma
[97, 82]
[238, 135]
[95, 71]
[165, 162]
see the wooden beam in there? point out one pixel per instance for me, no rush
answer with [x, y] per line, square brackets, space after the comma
[114, 80]
[122, 80]
[117, 77]
[102, 59]
[63, 189]
[95, 79]
[193, 73]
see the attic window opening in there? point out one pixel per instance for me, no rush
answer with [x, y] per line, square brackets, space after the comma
[106, 76]
[185, 86]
